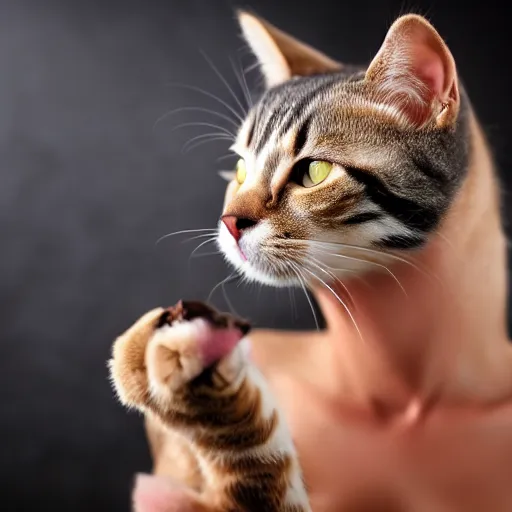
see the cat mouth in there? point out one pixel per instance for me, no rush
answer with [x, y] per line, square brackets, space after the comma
[260, 256]
[242, 254]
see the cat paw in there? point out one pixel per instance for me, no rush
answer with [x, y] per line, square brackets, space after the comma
[166, 349]
[127, 365]
[174, 356]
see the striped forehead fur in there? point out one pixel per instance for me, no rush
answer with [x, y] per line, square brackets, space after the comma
[340, 101]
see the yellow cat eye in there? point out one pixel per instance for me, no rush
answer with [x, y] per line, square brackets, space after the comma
[317, 171]
[241, 171]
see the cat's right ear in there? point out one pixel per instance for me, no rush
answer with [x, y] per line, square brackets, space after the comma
[280, 55]
[414, 73]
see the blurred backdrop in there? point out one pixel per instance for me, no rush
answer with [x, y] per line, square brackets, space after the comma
[93, 173]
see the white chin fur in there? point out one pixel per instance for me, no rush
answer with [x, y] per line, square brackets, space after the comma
[343, 262]
[250, 244]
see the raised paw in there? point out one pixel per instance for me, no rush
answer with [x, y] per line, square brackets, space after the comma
[192, 338]
[128, 365]
[167, 349]
[174, 356]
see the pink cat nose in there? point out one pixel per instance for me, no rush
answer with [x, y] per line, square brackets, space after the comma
[236, 225]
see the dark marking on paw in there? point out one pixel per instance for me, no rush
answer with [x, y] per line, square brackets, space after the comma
[188, 310]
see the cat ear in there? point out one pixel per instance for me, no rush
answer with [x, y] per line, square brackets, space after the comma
[414, 72]
[280, 55]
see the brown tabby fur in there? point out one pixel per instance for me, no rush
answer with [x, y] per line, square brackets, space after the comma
[216, 420]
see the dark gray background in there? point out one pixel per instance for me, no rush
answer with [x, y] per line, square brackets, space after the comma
[88, 184]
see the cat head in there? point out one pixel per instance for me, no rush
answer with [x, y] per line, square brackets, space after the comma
[339, 163]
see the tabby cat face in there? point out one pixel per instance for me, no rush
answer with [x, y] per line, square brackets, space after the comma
[339, 162]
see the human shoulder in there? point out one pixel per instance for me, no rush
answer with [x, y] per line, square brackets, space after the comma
[279, 350]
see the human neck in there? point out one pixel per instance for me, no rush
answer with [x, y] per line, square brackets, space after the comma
[445, 342]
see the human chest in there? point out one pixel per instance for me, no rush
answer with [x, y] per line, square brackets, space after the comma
[459, 464]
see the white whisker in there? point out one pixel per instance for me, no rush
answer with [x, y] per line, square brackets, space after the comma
[212, 235]
[339, 299]
[450, 245]
[226, 298]
[204, 254]
[293, 306]
[355, 275]
[190, 147]
[224, 157]
[331, 275]
[196, 109]
[379, 253]
[184, 231]
[209, 136]
[360, 260]
[243, 83]
[362, 280]
[220, 283]
[252, 67]
[209, 125]
[210, 95]
[224, 81]
[296, 270]
[209, 241]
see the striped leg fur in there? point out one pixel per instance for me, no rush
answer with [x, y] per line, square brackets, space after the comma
[188, 366]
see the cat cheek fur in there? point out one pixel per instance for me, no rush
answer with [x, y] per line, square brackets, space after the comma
[257, 255]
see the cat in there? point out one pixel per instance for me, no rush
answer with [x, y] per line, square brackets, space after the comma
[339, 165]
[188, 366]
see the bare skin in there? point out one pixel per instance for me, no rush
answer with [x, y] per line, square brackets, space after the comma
[417, 413]
[414, 414]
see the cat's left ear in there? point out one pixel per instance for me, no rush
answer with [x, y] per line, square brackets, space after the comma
[414, 72]
[280, 55]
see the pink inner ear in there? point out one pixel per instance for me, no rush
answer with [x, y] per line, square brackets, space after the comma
[428, 65]
[413, 69]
